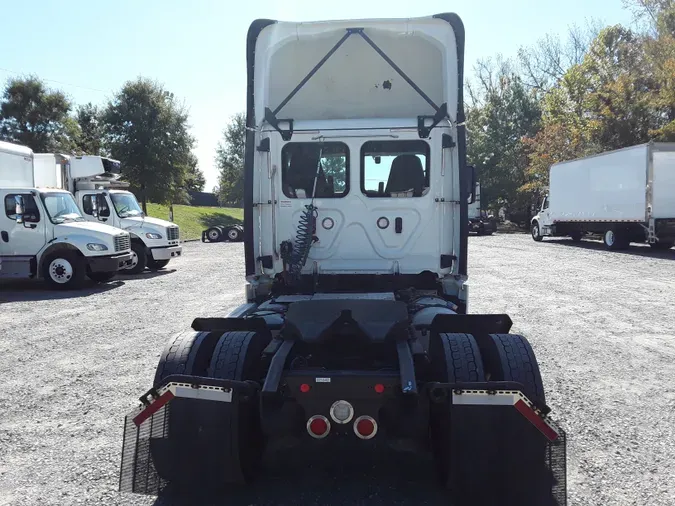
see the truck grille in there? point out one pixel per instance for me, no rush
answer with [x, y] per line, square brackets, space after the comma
[172, 233]
[122, 242]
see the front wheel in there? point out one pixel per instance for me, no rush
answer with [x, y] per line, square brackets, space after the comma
[139, 258]
[536, 233]
[64, 270]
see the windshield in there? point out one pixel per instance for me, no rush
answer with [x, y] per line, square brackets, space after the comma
[126, 205]
[61, 207]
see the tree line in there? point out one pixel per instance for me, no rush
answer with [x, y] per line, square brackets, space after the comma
[143, 126]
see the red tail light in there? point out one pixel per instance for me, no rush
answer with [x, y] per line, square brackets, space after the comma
[365, 427]
[318, 426]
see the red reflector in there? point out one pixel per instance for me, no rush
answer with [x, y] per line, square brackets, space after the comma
[536, 420]
[379, 388]
[365, 427]
[318, 426]
[304, 388]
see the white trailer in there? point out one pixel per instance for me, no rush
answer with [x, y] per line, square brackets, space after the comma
[94, 180]
[627, 195]
[479, 220]
[43, 233]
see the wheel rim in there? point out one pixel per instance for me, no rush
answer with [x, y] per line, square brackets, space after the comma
[213, 235]
[610, 238]
[60, 271]
[233, 234]
[134, 260]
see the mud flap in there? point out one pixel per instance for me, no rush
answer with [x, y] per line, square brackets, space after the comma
[502, 450]
[177, 437]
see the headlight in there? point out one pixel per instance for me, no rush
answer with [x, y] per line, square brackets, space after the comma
[94, 246]
[150, 235]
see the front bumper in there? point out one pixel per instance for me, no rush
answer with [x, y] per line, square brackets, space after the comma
[166, 252]
[109, 263]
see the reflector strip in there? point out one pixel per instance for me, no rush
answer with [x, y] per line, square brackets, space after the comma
[153, 407]
[183, 390]
[506, 398]
[536, 420]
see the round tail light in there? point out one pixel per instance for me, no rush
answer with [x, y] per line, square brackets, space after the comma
[318, 426]
[365, 427]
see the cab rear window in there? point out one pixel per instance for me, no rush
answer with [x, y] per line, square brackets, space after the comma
[312, 169]
[395, 168]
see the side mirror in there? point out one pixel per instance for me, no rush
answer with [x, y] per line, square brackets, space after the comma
[20, 208]
[101, 206]
[471, 181]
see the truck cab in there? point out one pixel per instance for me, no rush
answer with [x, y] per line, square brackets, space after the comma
[94, 181]
[44, 234]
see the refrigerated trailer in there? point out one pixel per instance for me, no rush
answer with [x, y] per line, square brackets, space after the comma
[627, 195]
[103, 198]
[355, 331]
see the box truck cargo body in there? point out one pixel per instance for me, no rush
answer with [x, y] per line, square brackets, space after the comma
[627, 195]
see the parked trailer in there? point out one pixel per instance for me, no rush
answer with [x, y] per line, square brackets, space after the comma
[95, 181]
[43, 233]
[218, 233]
[355, 329]
[627, 195]
[479, 220]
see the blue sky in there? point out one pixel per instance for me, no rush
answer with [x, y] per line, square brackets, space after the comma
[197, 48]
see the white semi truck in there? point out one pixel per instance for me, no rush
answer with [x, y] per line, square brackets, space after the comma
[627, 195]
[44, 235]
[154, 242]
[479, 220]
[355, 338]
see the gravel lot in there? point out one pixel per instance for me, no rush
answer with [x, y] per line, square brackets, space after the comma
[601, 324]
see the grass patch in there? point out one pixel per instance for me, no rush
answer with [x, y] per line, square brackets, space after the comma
[193, 220]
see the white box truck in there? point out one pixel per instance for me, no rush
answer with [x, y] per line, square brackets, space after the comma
[627, 195]
[154, 242]
[43, 233]
[479, 220]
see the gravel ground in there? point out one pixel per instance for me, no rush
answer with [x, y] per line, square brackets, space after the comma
[601, 324]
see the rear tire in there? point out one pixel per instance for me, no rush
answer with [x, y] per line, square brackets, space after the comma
[237, 357]
[214, 234]
[575, 236]
[64, 270]
[615, 240]
[456, 440]
[234, 234]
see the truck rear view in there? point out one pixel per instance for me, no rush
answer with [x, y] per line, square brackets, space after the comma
[624, 196]
[356, 330]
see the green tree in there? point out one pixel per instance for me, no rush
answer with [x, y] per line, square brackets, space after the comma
[147, 130]
[230, 161]
[91, 136]
[37, 117]
[503, 111]
[194, 179]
